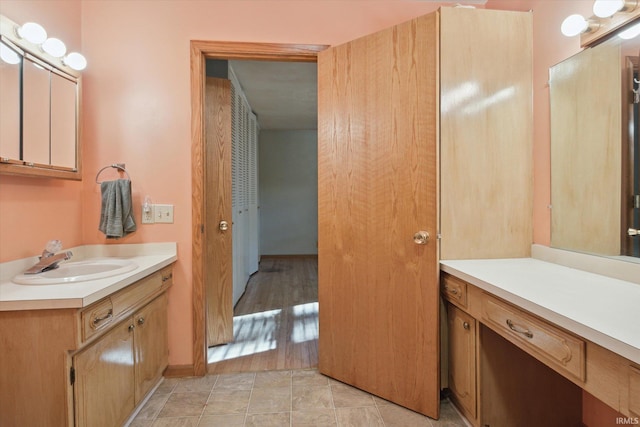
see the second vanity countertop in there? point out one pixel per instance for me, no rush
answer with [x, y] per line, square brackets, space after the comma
[603, 310]
[150, 257]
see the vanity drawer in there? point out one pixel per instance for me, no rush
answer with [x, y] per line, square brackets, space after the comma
[454, 289]
[96, 317]
[544, 341]
[136, 293]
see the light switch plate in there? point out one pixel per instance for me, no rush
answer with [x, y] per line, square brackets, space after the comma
[163, 214]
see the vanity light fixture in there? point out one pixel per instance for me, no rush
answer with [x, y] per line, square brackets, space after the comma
[54, 47]
[37, 35]
[608, 8]
[75, 60]
[603, 11]
[8, 55]
[32, 32]
[574, 25]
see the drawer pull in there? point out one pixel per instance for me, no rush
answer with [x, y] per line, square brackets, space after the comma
[105, 317]
[527, 333]
[453, 291]
[165, 278]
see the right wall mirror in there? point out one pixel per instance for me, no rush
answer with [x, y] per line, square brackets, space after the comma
[595, 151]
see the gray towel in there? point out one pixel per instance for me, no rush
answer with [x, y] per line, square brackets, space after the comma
[116, 214]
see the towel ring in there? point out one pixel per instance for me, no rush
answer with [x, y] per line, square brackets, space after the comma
[119, 166]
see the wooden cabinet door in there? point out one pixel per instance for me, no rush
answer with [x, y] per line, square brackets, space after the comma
[151, 345]
[377, 187]
[462, 359]
[104, 387]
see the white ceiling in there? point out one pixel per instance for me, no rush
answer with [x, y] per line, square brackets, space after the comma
[284, 95]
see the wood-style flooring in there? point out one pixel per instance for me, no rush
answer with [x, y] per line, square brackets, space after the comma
[276, 320]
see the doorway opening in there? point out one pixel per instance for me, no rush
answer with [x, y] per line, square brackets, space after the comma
[274, 216]
[211, 270]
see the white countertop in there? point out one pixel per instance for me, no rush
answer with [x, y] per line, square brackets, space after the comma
[600, 309]
[150, 257]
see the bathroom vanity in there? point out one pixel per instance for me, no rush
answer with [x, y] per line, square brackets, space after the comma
[526, 336]
[85, 353]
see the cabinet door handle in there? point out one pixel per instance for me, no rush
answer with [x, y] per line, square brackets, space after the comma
[527, 333]
[131, 327]
[141, 321]
[165, 278]
[105, 317]
[466, 325]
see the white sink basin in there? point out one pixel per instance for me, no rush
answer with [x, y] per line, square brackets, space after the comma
[78, 271]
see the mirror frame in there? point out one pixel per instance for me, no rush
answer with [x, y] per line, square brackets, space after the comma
[55, 65]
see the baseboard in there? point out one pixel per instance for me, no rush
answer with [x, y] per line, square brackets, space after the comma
[178, 371]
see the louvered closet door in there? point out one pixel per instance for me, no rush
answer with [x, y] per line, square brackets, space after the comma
[244, 258]
[236, 160]
[254, 236]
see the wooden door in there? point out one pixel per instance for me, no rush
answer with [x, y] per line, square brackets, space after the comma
[218, 269]
[377, 179]
[104, 387]
[150, 345]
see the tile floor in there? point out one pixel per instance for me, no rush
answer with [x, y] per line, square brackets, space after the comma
[276, 398]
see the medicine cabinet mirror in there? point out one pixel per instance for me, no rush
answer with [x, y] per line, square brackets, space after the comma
[595, 152]
[39, 111]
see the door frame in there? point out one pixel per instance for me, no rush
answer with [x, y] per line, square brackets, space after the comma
[200, 51]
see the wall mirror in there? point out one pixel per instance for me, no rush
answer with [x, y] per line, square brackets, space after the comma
[39, 110]
[595, 153]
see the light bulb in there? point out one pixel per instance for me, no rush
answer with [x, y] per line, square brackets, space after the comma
[607, 8]
[574, 25]
[630, 33]
[32, 32]
[54, 47]
[8, 55]
[76, 61]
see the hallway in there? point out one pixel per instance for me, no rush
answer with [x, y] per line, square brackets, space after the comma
[275, 322]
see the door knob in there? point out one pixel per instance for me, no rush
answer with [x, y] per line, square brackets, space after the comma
[633, 232]
[421, 238]
[224, 225]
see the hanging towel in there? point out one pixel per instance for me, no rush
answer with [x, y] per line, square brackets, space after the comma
[116, 214]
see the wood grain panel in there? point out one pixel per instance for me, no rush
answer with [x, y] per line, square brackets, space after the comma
[547, 400]
[37, 380]
[462, 361]
[151, 345]
[586, 151]
[198, 301]
[377, 178]
[486, 134]
[218, 270]
[104, 388]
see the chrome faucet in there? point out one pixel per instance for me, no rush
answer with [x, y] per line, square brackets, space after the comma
[49, 259]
